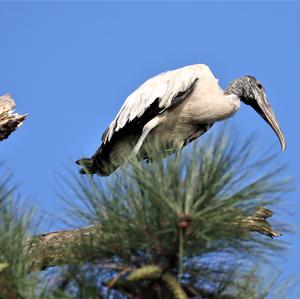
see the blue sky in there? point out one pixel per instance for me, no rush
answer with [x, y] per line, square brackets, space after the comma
[71, 65]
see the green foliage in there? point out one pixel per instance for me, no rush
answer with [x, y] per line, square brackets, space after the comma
[14, 222]
[179, 212]
[186, 226]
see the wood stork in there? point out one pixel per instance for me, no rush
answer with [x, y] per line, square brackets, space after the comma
[175, 108]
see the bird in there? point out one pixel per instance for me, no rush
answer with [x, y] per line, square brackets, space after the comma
[174, 108]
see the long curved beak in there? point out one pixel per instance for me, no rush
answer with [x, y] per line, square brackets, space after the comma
[263, 108]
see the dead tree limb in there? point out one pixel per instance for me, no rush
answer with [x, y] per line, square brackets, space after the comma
[9, 121]
[257, 223]
[59, 248]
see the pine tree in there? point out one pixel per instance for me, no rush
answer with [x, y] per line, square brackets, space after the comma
[193, 225]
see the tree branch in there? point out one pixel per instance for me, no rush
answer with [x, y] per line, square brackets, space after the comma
[9, 121]
[59, 248]
[257, 223]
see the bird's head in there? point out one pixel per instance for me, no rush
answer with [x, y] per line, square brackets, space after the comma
[252, 93]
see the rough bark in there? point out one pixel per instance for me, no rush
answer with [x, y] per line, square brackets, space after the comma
[9, 121]
[59, 248]
[257, 223]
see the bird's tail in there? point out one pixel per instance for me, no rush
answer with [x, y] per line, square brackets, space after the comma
[87, 165]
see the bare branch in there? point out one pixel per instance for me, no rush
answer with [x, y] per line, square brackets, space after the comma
[58, 248]
[257, 223]
[9, 121]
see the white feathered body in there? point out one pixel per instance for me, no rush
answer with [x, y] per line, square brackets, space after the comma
[204, 106]
[184, 103]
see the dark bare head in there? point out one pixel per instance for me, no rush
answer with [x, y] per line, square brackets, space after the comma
[251, 92]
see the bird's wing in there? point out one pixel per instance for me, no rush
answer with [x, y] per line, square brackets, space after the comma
[156, 95]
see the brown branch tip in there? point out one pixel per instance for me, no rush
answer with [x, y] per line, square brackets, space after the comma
[9, 121]
[258, 223]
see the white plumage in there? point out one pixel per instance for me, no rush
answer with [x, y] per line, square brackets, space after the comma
[165, 87]
[174, 107]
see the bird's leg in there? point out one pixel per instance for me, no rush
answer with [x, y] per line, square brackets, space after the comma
[141, 140]
[179, 147]
[146, 130]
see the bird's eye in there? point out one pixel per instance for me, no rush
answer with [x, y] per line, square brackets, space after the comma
[259, 86]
